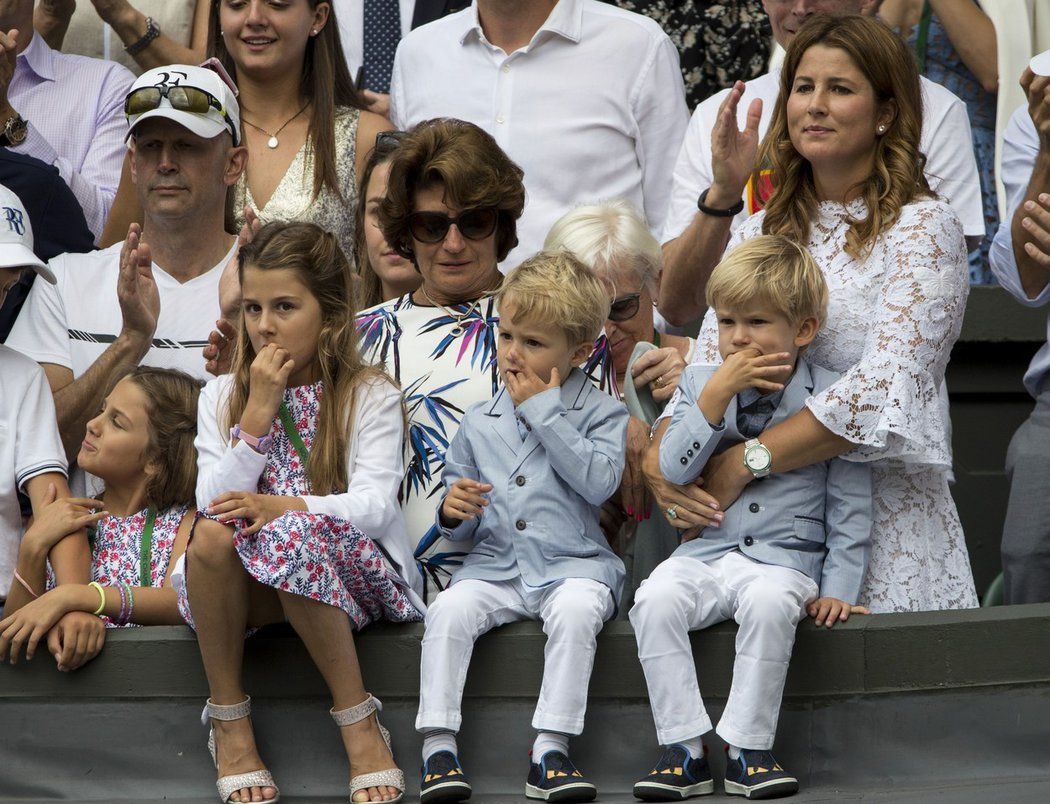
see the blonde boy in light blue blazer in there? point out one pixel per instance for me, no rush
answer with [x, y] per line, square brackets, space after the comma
[525, 479]
[794, 542]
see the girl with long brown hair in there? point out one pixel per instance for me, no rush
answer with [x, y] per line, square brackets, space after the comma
[849, 184]
[300, 457]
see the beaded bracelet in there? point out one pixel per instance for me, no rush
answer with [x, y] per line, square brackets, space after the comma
[131, 604]
[119, 619]
[101, 597]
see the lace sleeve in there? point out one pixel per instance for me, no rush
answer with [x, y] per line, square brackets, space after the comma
[887, 403]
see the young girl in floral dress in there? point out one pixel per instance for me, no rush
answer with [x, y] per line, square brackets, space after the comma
[300, 457]
[141, 445]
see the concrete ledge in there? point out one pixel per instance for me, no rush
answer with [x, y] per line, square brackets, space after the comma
[994, 316]
[999, 646]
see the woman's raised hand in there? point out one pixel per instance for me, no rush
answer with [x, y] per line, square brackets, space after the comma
[734, 152]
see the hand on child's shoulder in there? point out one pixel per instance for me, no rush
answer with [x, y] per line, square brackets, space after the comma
[830, 610]
[749, 368]
[464, 501]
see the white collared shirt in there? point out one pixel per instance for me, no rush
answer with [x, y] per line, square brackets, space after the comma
[349, 15]
[951, 167]
[592, 108]
[1020, 151]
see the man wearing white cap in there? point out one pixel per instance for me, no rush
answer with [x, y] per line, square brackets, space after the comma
[153, 299]
[31, 457]
[1020, 260]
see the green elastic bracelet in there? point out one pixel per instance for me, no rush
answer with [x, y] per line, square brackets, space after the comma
[101, 596]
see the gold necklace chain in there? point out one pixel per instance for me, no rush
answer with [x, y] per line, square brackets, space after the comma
[457, 317]
[273, 142]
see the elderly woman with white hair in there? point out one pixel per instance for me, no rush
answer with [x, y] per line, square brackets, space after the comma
[612, 239]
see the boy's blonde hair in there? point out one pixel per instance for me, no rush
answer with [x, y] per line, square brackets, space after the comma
[773, 270]
[555, 288]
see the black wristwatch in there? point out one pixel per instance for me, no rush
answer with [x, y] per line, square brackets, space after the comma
[732, 212]
[14, 131]
[152, 32]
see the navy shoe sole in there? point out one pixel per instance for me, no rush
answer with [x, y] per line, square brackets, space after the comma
[776, 788]
[573, 791]
[655, 791]
[446, 793]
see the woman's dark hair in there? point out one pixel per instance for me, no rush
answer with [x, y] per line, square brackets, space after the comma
[368, 287]
[171, 400]
[465, 161]
[325, 82]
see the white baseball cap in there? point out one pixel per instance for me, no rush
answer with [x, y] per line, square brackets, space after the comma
[208, 124]
[16, 237]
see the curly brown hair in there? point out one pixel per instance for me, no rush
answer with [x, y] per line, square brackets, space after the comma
[473, 170]
[897, 177]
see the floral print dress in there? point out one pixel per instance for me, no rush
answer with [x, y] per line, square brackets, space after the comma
[116, 550]
[317, 556]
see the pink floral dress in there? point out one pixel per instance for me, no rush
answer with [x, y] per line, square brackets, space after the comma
[317, 556]
[116, 545]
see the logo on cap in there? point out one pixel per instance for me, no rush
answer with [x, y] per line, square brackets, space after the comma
[15, 221]
[171, 77]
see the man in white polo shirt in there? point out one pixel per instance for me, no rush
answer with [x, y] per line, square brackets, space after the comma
[153, 299]
[587, 98]
[951, 167]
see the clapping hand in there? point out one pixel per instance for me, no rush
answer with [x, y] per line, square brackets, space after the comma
[218, 354]
[137, 291]
[734, 152]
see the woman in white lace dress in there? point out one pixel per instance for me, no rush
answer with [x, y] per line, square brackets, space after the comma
[843, 151]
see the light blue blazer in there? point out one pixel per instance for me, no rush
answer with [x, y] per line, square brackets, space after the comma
[816, 519]
[541, 523]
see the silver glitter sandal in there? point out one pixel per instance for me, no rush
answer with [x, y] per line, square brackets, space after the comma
[228, 785]
[392, 777]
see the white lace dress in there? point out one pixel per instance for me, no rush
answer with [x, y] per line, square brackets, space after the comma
[892, 320]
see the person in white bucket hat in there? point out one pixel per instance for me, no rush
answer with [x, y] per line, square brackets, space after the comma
[153, 299]
[34, 462]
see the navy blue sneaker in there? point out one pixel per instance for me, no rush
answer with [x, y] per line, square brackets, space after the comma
[756, 774]
[443, 780]
[676, 777]
[555, 778]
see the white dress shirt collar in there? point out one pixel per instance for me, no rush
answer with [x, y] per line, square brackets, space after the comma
[565, 20]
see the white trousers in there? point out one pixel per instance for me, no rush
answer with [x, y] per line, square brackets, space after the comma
[685, 594]
[573, 612]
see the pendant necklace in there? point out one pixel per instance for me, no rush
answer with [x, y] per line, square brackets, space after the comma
[273, 142]
[457, 317]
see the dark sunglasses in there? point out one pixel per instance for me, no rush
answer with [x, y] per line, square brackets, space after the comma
[390, 138]
[473, 224]
[624, 308]
[185, 99]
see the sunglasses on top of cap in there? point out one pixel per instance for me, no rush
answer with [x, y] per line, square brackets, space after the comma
[624, 308]
[473, 224]
[182, 98]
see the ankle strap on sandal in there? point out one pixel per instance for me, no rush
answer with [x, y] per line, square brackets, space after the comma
[355, 714]
[235, 711]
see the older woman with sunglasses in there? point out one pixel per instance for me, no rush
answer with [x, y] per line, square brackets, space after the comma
[613, 241]
[452, 204]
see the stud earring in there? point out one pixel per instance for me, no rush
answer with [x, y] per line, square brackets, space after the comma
[882, 129]
[313, 32]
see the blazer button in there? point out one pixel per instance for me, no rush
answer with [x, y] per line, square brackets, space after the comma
[753, 508]
[689, 452]
[748, 541]
[684, 461]
[520, 524]
[696, 445]
[520, 480]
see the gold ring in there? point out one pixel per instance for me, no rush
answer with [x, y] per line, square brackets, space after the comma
[659, 382]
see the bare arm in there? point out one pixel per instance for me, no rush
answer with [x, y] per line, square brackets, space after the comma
[973, 36]
[130, 25]
[125, 211]
[51, 20]
[1031, 241]
[690, 257]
